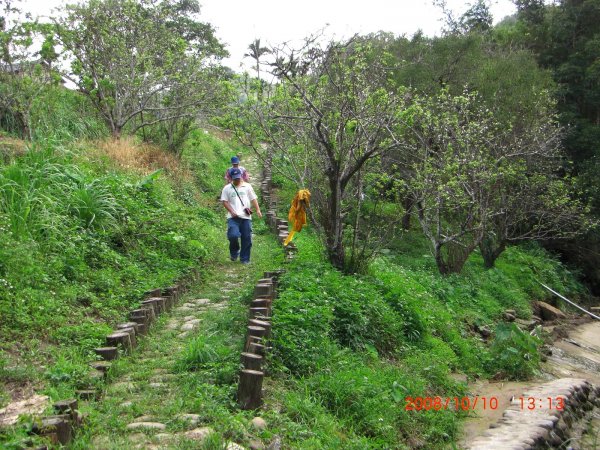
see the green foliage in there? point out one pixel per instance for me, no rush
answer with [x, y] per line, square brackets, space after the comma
[321, 310]
[205, 352]
[513, 352]
[94, 205]
[79, 240]
[62, 115]
[209, 158]
[356, 347]
[158, 44]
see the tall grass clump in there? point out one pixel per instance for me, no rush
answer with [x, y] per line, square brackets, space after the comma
[83, 237]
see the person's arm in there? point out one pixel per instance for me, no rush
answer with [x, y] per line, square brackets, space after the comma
[230, 209]
[256, 207]
[245, 176]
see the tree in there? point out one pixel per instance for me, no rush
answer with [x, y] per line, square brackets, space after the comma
[140, 60]
[477, 182]
[564, 36]
[533, 205]
[25, 68]
[256, 52]
[331, 114]
[534, 201]
[451, 173]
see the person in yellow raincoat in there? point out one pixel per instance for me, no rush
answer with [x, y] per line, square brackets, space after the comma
[297, 214]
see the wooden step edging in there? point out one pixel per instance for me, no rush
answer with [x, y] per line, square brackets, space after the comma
[256, 347]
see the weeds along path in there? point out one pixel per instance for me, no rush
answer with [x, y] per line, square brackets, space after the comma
[178, 387]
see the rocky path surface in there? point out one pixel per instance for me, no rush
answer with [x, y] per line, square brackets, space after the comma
[151, 404]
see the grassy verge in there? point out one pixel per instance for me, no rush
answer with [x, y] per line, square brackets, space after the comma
[85, 229]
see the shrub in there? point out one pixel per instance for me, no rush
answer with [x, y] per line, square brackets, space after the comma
[513, 353]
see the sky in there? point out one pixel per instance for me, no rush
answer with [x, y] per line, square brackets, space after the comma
[239, 22]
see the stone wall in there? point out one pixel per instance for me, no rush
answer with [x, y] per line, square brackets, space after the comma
[543, 417]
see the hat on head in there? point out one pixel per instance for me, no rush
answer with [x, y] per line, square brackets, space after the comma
[235, 160]
[235, 173]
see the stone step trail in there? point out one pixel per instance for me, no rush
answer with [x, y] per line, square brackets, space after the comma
[133, 395]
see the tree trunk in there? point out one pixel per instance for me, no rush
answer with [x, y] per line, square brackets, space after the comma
[454, 262]
[490, 253]
[116, 132]
[334, 226]
[407, 203]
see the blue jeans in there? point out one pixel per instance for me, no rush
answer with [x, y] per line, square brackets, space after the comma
[239, 228]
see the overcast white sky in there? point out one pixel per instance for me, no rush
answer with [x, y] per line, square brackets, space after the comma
[239, 22]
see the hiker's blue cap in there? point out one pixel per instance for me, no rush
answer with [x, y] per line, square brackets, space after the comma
[235, 173]
[235, 160]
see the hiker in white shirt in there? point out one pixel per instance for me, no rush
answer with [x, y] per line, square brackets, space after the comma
[237, 198]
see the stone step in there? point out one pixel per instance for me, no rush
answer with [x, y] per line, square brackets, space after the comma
[146, 426]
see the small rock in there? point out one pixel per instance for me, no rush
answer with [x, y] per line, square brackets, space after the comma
[33, 405]
[256, 445]
[258, 423]
[485, 331]
[549, 312]
[184, 309]
[188, 318]
[183, 335]
[146, 425]
[275, 444]
[193, 419]
[511, 311]
[234, 446]
[194, 321]
[199, 434]
[187, 326]
[546, 350]
[188, 305]
[161, 437]
[126, 404]
[201, 301]
[219, 306]
[172, 325]
[156, 385]
[509, 317]
[527, 324]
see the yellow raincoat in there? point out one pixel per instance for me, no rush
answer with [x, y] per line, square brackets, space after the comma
[297, 214]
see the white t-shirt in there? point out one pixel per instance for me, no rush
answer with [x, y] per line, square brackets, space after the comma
[246, 194]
